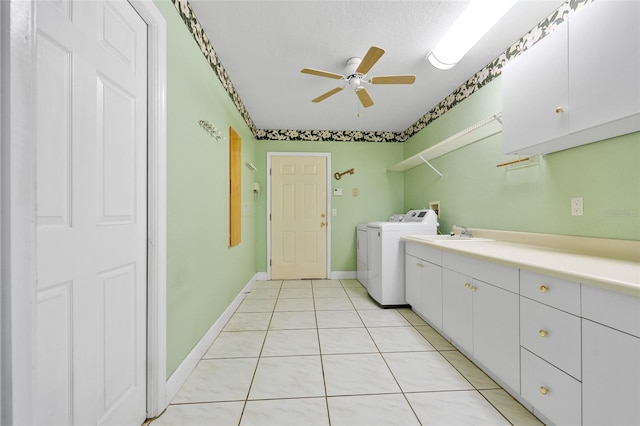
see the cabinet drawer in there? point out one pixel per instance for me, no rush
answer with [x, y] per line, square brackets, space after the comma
[502, 276]
[553, 394]
[617, 310]
[423, 252]
[556, 292]
[551, 334]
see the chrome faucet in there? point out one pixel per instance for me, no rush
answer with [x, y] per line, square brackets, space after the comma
[464, 231]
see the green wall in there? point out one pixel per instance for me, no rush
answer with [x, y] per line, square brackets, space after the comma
[474, 192]
[379, 193]
[204, 275]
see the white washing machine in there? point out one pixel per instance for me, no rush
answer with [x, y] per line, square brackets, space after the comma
[362, 273]
[385, 257]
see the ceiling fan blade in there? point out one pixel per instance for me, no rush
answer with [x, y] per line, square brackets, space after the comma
[373, 54]
[364, 97]
[321, 73]
[393, 79]
[326, 95]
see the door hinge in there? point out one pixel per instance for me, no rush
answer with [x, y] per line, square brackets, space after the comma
[269, 217]
[270, 262]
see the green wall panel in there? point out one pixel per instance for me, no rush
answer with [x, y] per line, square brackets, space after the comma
[204, 275]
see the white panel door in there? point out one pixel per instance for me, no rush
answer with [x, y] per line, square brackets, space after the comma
[90, 362]
[298, 217]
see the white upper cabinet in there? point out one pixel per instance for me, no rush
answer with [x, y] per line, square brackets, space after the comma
[535, 93]
[579, 84]
[604, 68]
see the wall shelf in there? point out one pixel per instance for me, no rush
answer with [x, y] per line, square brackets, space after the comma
[478, 131]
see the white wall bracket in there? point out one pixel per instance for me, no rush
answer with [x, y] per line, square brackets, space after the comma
[430, 165]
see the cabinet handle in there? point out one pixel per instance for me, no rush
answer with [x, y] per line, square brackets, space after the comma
[559, 110]
[543, 333]
[467, 285]
[544, 289]
[419, 265]
[473, 288]
[544, 390]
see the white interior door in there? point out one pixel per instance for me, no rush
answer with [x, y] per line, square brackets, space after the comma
[298, 217]
[90, 353]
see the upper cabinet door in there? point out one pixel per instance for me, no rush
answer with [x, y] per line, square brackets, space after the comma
[534, 86]
[578, 85]
[604, 63]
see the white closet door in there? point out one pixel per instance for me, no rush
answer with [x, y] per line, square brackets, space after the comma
[90, 362]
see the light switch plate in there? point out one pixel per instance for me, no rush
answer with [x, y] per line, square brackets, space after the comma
[337, 191]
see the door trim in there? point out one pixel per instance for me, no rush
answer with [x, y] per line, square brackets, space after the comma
[156, 206]
[18, 200]
[327, 155]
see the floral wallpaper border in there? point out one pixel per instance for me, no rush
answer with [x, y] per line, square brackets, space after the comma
[476, 82]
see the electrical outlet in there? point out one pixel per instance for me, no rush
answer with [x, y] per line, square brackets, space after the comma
[577, 206]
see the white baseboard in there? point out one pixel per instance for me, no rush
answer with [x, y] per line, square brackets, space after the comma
[343, 275]
[181, 374]
[334, 275]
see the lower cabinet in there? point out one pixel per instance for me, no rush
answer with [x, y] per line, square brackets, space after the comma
[610, 375]
[482, 319]
[412, 278]
[423, 278]
[570, 350]
[457, 309]
[495, 332]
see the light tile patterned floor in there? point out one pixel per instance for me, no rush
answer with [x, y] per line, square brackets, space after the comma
[323, 353]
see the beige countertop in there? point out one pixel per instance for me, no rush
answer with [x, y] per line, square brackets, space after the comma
[622, 275]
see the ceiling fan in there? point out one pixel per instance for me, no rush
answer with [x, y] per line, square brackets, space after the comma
[355, 75]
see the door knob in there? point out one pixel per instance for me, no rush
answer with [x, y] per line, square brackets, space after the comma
[322, 215]
[322, 224]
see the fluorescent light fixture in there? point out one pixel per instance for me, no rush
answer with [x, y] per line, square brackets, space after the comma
[472, 24]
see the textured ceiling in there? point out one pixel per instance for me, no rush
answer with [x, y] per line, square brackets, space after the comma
[263, 45]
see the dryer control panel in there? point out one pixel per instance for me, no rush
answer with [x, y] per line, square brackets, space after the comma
[421, 216]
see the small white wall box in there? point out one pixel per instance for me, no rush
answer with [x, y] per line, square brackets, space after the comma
[337, 191]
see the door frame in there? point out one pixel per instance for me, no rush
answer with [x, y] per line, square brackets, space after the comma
[327, 155]
[18, 201]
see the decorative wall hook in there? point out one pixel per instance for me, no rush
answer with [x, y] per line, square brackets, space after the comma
[339, 175]
[211, 129]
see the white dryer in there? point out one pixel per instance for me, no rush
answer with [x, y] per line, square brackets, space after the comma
[361, 251]
[385, 254]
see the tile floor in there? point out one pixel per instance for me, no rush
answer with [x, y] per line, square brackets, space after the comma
[323, 353]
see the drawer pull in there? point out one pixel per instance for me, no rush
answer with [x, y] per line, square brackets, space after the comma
[543, 333]
[544, 390]
[467, 285]
[474, 288]
[559, 110]
[544, 289]
[419, 265]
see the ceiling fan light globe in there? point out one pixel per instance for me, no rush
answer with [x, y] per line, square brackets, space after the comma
[355, 82]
